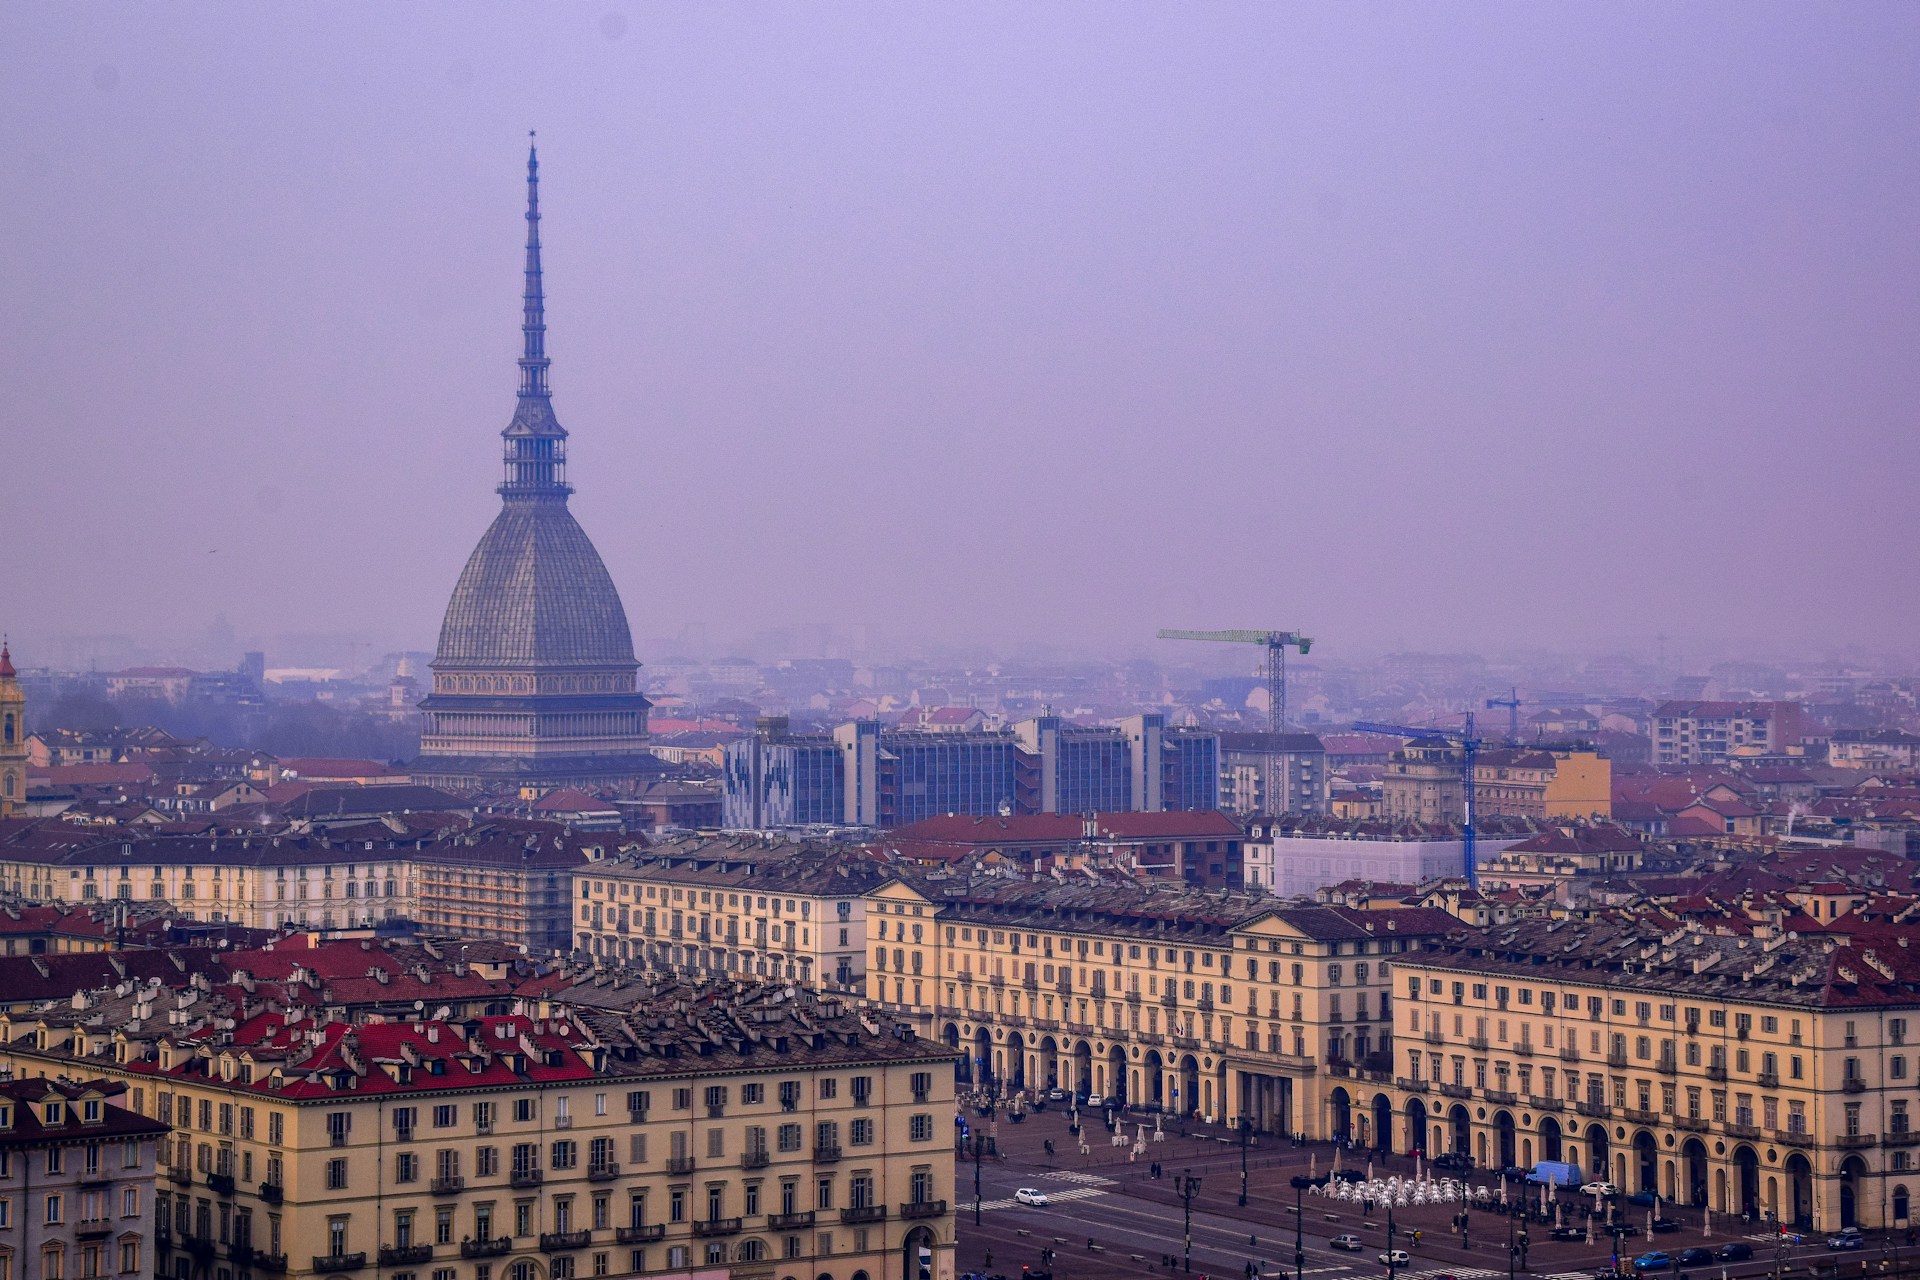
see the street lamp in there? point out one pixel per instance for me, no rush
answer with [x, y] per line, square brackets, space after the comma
[1392, 1231]
[1189, 1187]
[1300, 1184]
[974, 1141]
[1243, 1160]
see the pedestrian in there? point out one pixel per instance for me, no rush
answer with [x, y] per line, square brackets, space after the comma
[989, 1257]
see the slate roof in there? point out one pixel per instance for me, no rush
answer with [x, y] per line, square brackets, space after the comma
[535, 594]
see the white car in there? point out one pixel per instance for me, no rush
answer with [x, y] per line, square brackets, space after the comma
[1095, 1100]
[1597, 1188]
[1395, 1258]
[1348, 1241]
[1031, 1196]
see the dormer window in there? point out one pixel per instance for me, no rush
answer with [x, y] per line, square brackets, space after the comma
[53, 1113]
[90, 1111]
[6, 1115]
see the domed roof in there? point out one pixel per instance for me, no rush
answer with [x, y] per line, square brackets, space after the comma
[535, 593]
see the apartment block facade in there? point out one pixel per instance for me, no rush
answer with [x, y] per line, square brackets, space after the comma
[637, 1129]
[1764, 1075]
[1221, 1006]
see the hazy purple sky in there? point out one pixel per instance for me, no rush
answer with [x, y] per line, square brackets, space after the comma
[1447, 325]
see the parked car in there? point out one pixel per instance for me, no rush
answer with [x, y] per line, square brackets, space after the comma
[1663, 1225]
[1568, 1233]
[1643, 1199]
[1734, 1251]
[1031, 1196]
[1652, 1260]
[1395, 1258]
[1096, 1100]
[1696, 1257]
[1453, 1160]
[1350, 1175]
[1847, 1238]
[1597, 1189]
[1056, 1095]
[1347, 1241]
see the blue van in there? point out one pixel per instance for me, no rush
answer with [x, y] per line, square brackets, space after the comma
[1556, 1173]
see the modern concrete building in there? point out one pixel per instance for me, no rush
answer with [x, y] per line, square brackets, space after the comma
[1298, 763]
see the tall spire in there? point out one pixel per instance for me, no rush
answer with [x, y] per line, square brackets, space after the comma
[533, 328]
[536, 455]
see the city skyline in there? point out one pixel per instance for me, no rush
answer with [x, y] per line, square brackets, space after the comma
[987, 335]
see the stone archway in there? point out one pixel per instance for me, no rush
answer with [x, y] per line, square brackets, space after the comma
[1799, 1206]
[1693, 1159]
[1156, 1080]
[1505, 1149]
[1550, 1138]
[1598, 1152]
[1462, 1130]
[962, 1063]
[983, 1057]
[916, 1254]
[1746, 1168]
[1341, 1107]
[1049, 1051]
[1417, 1125]
[1116, 1089]
[1383, 1123]
[1083, 1070]
[1189, 1099]
[1853, 1170]
[1016, 1060]
[1646, 1162]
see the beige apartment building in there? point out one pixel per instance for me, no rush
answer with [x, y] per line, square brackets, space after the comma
[1221, 1005]
[732, 905]
[76, 1181]
[625, 1129]
[1748, 1074]
[1543, 783]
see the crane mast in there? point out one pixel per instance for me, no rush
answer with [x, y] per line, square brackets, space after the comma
[1276, 643]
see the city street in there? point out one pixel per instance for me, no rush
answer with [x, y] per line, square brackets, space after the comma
[1108, 1217]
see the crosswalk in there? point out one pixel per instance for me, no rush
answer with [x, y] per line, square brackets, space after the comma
[1070, 1175]
[1464, 1273]
[1074, 1193]
[1569, 1275]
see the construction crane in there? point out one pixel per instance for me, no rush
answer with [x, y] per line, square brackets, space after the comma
[1468, 740]
[1276, 643]
[1512, 702]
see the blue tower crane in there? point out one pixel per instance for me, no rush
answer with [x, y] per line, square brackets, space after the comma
[1468, 740]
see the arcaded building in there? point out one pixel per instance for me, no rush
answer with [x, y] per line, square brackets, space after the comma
[534, 683]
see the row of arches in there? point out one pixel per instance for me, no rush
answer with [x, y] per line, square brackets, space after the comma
[1179, 1083]
[1686, 1171]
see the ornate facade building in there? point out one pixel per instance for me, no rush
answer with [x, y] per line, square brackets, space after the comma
[535, 683]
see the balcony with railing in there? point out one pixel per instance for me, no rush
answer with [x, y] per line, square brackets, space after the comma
[1856, 1140]
[93, 1228]
[405, 1255]
[523, 1178]
[602, 1171]
[644, 1234]
[564, 1241]
[717, 1227]
[335, 1263]
[864, 1213]
[448, 1186]
[826, 1152]
[491, 1247]
[789, 1221]
[1854, 1084]
[923, 1209]
[756, 1158]
[679, 1166]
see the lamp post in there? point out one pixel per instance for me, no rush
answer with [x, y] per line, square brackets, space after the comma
[1189, 1187]
[1392, 1231]
[1243, 1160]
[973, 1141]
[1300, 1184]
[1513, 1250]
